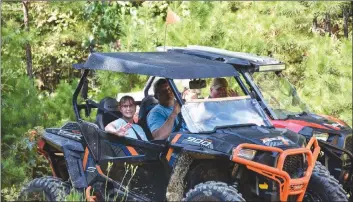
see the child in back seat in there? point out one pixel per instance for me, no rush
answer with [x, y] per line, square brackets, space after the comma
[125, 126]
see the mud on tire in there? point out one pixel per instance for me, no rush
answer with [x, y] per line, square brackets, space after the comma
[323, 186]
[45, 189]
[213, 191]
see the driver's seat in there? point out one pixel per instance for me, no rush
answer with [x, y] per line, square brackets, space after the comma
[107, 112]
[146, 105]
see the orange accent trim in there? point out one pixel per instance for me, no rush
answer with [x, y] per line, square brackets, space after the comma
[52, 167]
[85, 158]
[99, 170]
[288, 186]
[40, 148]
[90, 198]
[176, 138]
[169, 154]
[170, 151]
[132, 151]
[304, 123]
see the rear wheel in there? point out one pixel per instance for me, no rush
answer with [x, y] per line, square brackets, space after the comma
[213, 191]
[45, 189]
[324, 187]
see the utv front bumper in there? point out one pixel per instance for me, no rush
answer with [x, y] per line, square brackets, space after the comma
[287, 185]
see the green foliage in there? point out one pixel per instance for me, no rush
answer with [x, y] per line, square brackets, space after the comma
[109, 84]
[20, 159]
[10, 193]
[326, 85]
[103, 21]
[19, 106]
[56, 108]
[75, 196]
[23, 107]
[59, 40]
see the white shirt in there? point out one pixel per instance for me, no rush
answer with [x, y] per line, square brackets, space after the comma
[131, 133]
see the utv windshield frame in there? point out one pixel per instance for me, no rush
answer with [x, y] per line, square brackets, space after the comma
[242, 61]
[203, 115]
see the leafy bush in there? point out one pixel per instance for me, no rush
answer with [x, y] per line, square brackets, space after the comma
[23, 107]
[20, 162]
[56, 108]
[20, 108]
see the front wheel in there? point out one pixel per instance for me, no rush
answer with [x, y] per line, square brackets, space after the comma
[213, 191]
[324, 187]
[45, 189]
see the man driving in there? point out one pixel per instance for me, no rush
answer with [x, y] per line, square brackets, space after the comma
[163, 118]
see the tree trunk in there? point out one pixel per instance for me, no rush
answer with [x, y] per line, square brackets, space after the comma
[314, 25]
[328, 23]
[27, 45]
[345, 21]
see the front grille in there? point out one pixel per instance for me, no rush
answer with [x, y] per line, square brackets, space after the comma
[348, 143]
[294, 166]
[292, 198]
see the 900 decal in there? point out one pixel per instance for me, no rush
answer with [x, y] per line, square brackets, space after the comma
[206, 143]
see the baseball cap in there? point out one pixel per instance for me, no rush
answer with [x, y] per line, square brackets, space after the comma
[219, 82]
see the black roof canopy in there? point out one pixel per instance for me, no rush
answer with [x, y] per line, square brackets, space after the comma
[162, 64]
[229, 57]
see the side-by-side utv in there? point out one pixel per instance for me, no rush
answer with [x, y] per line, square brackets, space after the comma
[230, 152]
[280, 101]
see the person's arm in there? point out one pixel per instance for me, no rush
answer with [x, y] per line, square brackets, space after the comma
[122, 131]
[163, 132]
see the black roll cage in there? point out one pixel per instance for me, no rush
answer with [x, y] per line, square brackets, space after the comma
[90, 104]
[76, 106]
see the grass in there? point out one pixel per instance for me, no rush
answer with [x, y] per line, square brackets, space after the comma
[133, 170]
[75, 196]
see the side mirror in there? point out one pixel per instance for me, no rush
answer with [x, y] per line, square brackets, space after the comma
[197, 84]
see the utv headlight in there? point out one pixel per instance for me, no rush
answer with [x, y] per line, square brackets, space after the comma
[247, 154]
[264, 68]
[321, 136]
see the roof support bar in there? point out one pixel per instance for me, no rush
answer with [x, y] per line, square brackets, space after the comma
[176, 93]
[242, 85]
[148, 85]
[77, 91]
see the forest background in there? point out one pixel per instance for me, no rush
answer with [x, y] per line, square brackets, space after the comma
[41, 40]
